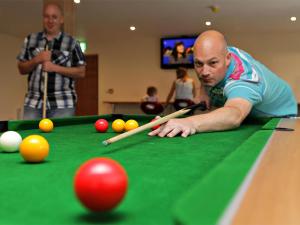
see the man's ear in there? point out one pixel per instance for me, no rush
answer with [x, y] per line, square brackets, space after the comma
[227, 59]
[62, 20]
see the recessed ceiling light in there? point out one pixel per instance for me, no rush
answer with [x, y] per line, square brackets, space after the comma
[293, 18]
[207, 23]
[132, 28]
[77, 1]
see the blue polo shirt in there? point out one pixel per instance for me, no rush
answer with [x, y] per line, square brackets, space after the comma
[247, 78]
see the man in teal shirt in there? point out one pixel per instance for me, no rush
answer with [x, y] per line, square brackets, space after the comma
[236, 82]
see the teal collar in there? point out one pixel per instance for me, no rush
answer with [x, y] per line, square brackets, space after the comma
[228, 73]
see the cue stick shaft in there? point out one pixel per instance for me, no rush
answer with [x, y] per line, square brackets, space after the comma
[45, 90]
[146, 126]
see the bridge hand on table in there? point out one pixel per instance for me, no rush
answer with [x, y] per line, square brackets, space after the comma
[173, 127]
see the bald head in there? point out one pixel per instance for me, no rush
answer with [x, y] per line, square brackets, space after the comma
[211, 57]
[53, 5]
[212, 41]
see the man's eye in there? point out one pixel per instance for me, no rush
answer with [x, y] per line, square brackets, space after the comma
[213, 63]
[198, 64]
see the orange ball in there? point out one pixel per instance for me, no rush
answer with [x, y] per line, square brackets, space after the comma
[118, 125]
[131, 124]
[34, 148]
[46, 125]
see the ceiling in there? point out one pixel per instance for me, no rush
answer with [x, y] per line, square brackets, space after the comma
[159, 17]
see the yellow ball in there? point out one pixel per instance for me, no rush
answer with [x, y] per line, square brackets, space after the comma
[131, 124]
[46, 125]
[34, 148]
[118, 125]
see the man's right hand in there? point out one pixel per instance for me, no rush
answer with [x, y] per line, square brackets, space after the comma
[26, 67]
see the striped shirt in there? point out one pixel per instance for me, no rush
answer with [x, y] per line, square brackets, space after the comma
[66, 52]
[247, 78]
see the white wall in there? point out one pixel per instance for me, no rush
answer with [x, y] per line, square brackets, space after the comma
[12, 85]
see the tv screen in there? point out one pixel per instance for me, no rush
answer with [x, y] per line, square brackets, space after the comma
[177, 51]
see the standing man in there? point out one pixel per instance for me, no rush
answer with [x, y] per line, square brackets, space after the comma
[63, 61]
[237, 83]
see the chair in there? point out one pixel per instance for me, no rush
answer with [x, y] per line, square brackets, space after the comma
[152, 108]
[182, 103]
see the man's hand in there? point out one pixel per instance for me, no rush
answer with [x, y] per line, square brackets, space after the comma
[224, 118]
[49, 66]
[26, 67]
[185, 126]
[43, 56]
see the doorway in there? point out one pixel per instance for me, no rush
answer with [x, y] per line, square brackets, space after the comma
[87, 88]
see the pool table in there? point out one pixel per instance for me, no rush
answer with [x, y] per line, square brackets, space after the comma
[171, 180]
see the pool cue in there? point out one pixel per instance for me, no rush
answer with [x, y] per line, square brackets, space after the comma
[150, 125]
[166, 106]
[45, 89]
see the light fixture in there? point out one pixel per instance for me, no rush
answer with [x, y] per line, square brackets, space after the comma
[207, 23]
[293, 18]
[77, 1]
[214, 8]
[132, 28]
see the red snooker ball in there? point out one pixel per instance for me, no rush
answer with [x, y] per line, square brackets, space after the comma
[101, 125]
[155, 127]
[100, 184]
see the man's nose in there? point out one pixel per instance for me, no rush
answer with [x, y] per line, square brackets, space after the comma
[205, 71]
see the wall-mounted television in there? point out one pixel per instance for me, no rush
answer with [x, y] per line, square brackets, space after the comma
[177, 51]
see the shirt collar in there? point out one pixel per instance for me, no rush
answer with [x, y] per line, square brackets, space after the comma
[56, 37]
[228, 72]
[230, 68]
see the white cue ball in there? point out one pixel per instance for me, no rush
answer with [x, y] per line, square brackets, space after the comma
[10, 141]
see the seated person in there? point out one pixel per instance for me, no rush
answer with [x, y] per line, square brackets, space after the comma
[151, 95]
[237, 82]
[184, 88]
[150, 104]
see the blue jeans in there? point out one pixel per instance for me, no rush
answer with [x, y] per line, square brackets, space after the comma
[32, 114]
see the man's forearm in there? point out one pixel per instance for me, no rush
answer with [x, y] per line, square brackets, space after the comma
[73, 72]
[27, 66]
[224, 118]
